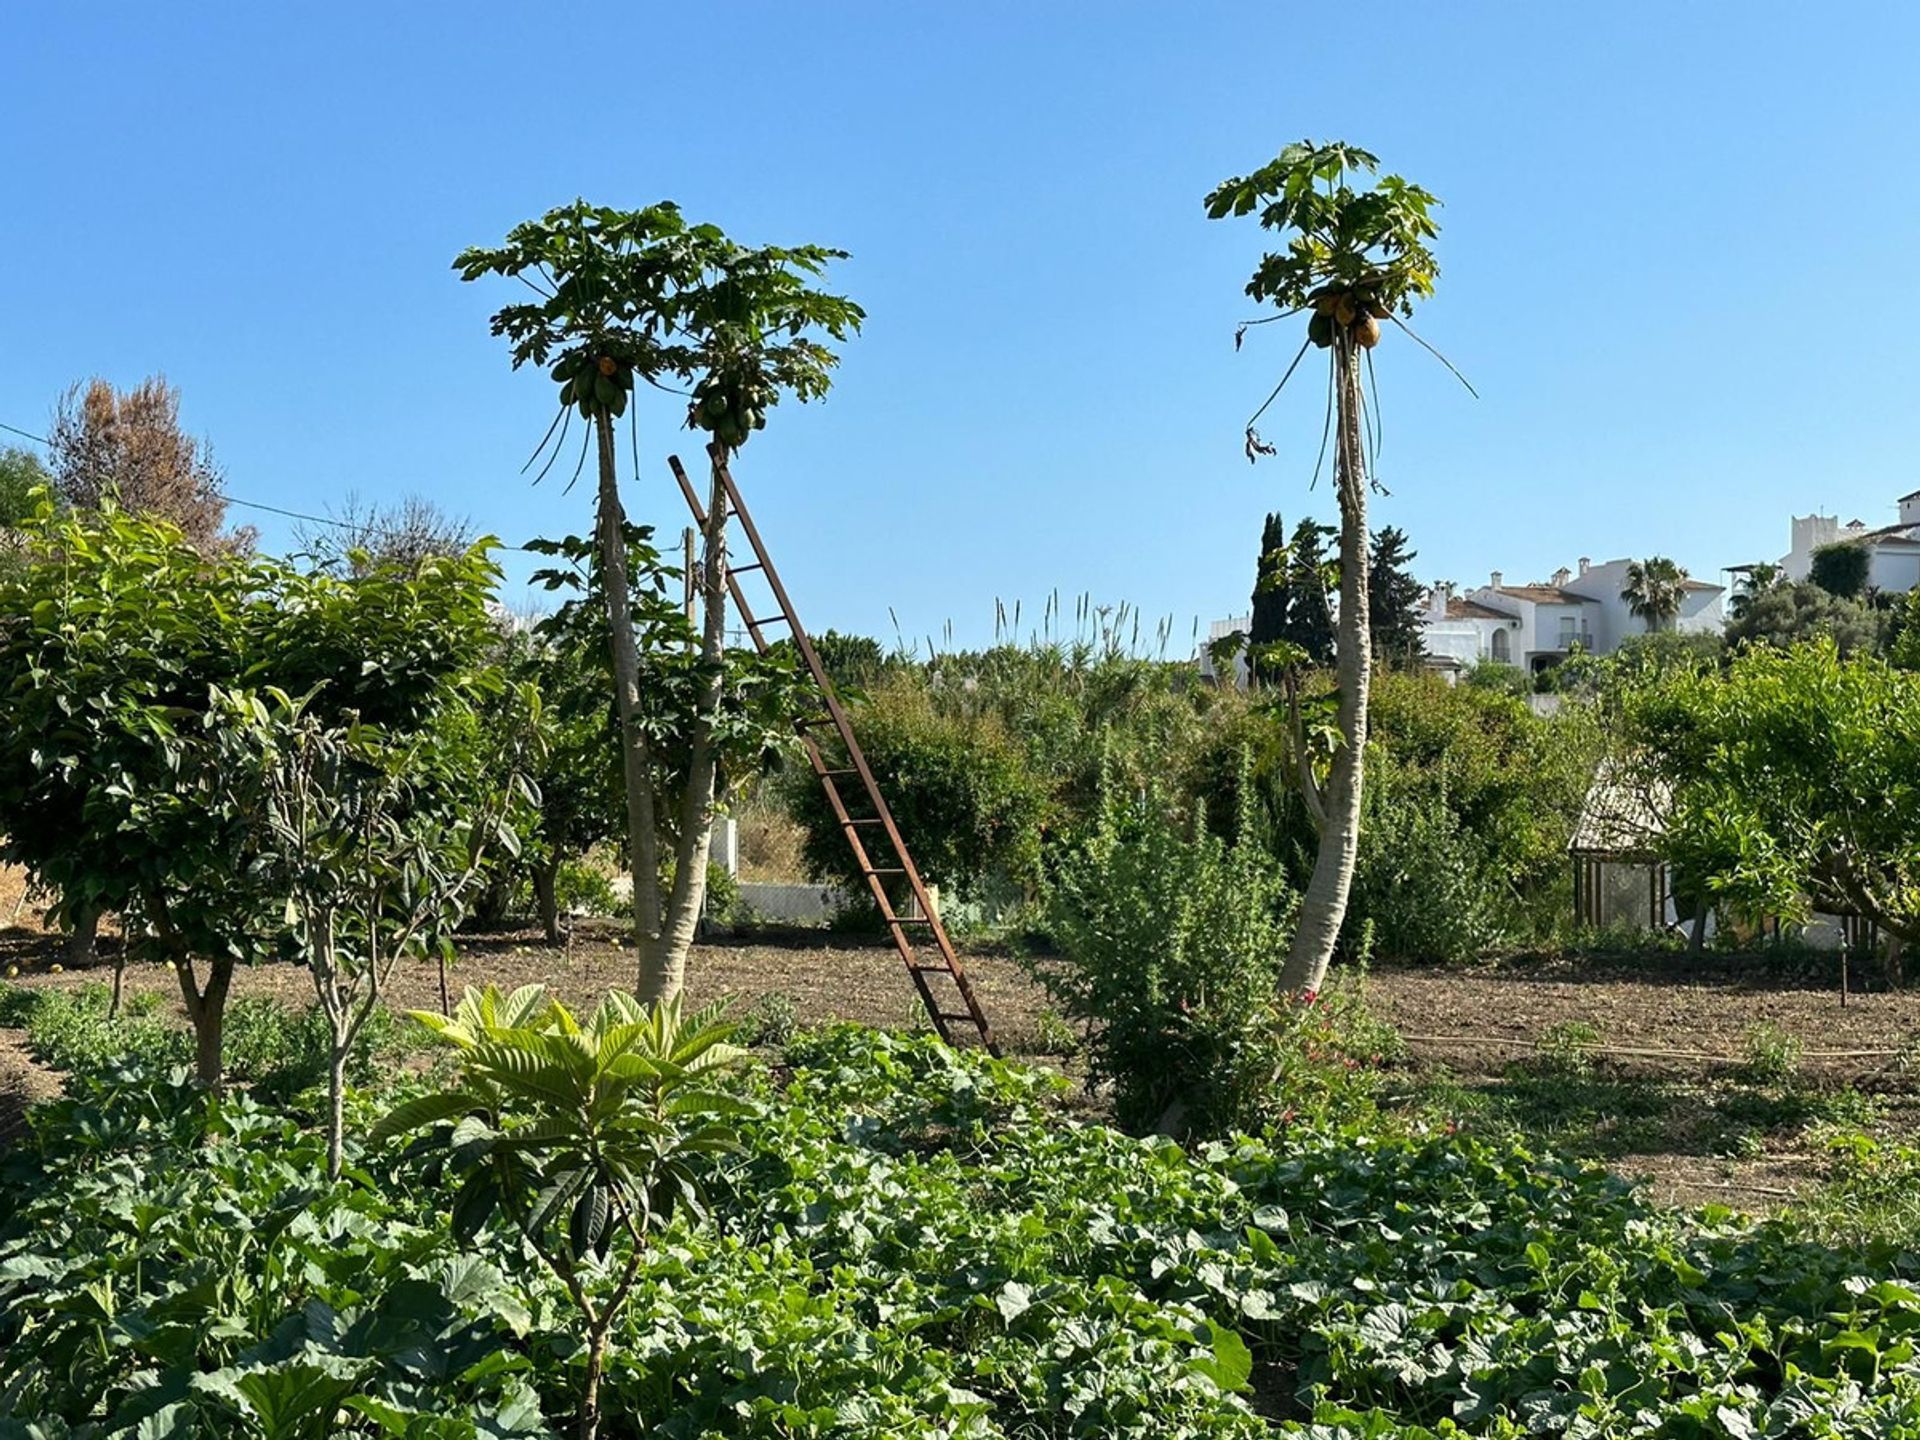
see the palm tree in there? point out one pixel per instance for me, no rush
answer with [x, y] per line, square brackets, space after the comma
[1755, 580]
[1653, 591]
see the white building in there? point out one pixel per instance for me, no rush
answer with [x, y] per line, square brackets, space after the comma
[1216, 632]
[1537, 626]
[1893, 563]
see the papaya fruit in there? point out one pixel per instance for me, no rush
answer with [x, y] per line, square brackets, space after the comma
[1320, 330]
[1366, 332]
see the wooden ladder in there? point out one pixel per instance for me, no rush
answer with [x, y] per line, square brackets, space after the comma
[941, 980]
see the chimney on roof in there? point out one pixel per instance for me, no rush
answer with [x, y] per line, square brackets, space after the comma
[1495, 582]
[1584, 563]
[1561, 576]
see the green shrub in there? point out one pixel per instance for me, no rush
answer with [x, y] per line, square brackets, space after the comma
[959, 789]
[70, 1030]
[1566, 1048]
[1771, 1056]
[1425, 883]
[1871, 1194]
[581, 887]
[276, 1051]
[1170, 941]
[723, 893]
[771, 1022]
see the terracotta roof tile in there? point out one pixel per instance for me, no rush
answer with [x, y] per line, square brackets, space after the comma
[1546, 595]
[1458, 609]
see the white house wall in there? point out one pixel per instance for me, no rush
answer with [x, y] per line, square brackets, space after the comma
[1894, 568]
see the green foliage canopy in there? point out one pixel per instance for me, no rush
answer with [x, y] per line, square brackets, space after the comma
[1841, 569]
[1795, 783]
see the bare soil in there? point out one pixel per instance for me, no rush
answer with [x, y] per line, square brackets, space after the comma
[1687, 1125]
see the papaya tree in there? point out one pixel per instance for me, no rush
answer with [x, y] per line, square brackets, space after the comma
[1356, 254]
[640, 296]
[605, 284]
[755, 324]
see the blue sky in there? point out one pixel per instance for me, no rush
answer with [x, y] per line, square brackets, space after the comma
[1676, 265]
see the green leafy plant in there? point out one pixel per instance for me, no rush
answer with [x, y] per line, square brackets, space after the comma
[115, 639]
[772, 1021]
[585, 1137]
[375, 841]
[1168, 940]
[959, 789]
[1566, 1048]
[1771, 1055]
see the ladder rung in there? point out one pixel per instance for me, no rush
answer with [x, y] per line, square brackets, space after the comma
[743, 569]
[964, 1016]
[908, 920]
[754, 622]
[886, 870]
[865, 820]
[931, 969]
[809, 721]
[836, 774]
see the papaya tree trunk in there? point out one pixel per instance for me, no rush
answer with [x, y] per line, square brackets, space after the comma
[643, 845]
[1323, 908]
[665, 970]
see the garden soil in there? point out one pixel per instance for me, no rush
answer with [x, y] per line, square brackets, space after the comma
[1466, 1023]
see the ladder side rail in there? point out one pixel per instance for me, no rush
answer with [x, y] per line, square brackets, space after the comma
[858, 759]
[844, 727]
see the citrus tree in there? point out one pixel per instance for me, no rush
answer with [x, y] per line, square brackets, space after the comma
[116, 638]
[1795, 783]
[584, 1137]
[1355, 255]
[372, 841]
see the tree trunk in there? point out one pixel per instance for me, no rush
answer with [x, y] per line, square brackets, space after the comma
[1697, 940]
[207, 1009]
[81, 946]
[546, 876]
[664, 966]
[589, 1427]
[643, 846]
[337, 1102]
[1324, 906]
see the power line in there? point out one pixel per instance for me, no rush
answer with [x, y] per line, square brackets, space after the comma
[338, 524]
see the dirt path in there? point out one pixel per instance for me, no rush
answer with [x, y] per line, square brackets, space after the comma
[1684, 1125]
